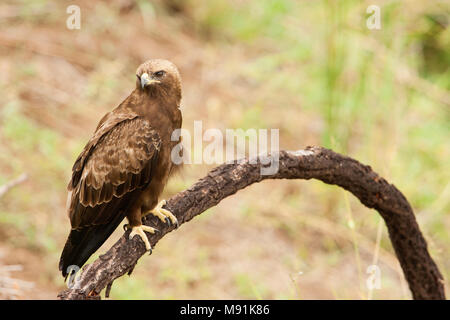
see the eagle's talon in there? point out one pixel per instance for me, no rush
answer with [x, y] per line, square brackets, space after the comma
[164, 215]
[139, 230]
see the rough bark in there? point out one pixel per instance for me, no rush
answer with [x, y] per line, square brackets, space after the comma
[424, 279]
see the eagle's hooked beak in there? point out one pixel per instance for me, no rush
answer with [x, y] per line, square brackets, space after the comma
[146, 80]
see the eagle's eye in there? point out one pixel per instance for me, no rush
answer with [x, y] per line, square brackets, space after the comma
[159, 73]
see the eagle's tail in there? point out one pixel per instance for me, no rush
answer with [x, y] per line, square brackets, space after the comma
[82, 243]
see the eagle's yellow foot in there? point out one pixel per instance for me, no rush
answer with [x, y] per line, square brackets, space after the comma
[139, 230]
[163, 214]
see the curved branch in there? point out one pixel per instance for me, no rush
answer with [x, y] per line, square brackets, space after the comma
[424, 279]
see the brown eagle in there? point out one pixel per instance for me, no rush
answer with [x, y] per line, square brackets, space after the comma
[124, 167]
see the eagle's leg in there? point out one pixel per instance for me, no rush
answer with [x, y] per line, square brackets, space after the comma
[137, 228]
[163, 214]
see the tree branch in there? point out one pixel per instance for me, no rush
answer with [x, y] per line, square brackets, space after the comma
[424, 279]
[8, 186]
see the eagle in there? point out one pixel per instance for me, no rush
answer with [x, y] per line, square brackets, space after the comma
[125, 166]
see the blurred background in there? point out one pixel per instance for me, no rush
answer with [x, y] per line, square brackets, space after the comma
[310, 68]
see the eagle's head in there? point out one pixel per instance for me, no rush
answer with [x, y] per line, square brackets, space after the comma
[159, 77]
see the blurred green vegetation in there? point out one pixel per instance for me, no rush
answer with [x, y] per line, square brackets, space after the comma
[310, 68]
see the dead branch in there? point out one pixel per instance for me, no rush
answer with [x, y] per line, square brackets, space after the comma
[10, 287]
[6, 187]
[424, 279]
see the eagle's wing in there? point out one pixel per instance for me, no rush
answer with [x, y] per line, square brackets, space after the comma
[116, 164]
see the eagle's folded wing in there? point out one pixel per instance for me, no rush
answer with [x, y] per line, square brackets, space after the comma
[117, 161]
